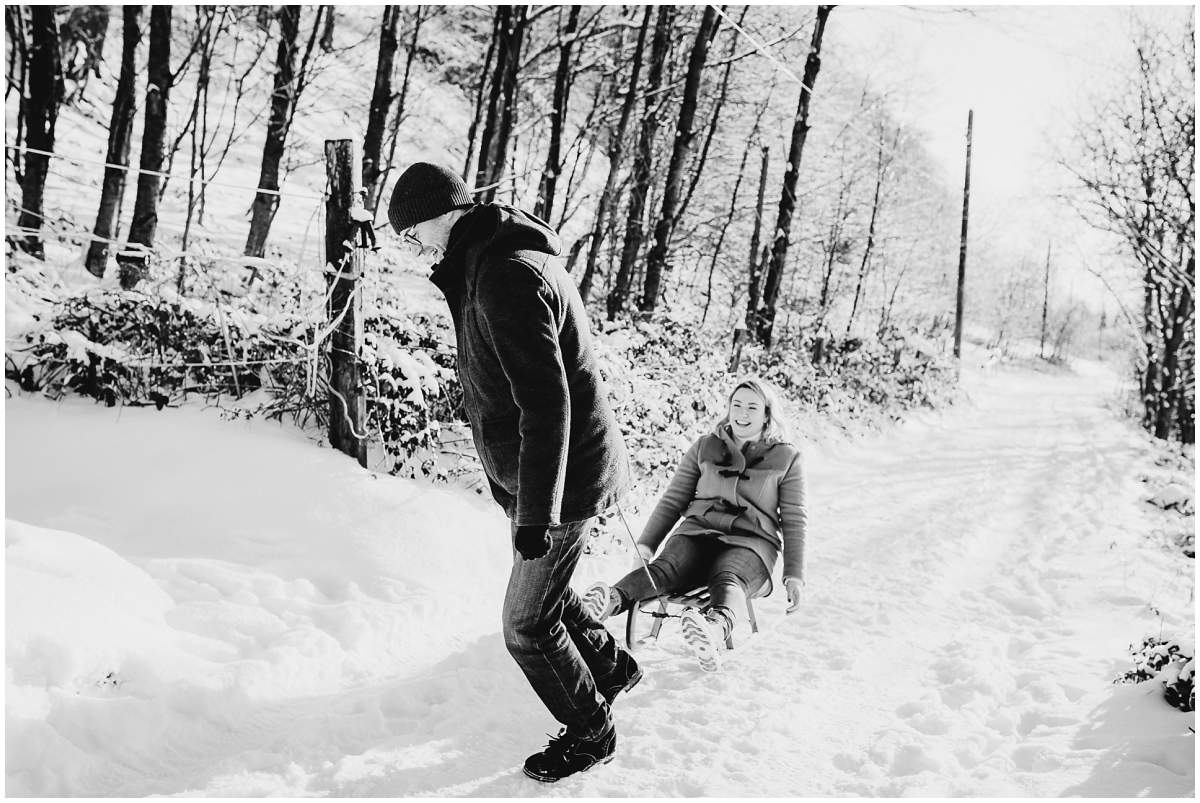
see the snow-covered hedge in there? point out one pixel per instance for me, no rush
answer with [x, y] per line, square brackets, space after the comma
[412, 390]
[1169, 662]
[1170, 483]
[250, 348]
[133, 348]
[130, 347]
[669, 382]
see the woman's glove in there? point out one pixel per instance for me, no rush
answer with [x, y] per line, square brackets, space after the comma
[795, 592]
[532, 541]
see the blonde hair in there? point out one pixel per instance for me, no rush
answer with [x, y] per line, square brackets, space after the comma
[775, 429]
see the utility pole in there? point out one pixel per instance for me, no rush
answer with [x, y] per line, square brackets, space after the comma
[1045, 303]
[962, 245]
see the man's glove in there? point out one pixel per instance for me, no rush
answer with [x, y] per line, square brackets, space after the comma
[532, 541]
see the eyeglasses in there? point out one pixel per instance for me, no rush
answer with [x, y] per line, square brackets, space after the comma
[410, 238]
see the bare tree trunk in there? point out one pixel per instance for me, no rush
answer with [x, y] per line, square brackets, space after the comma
[576, 250]
[17, 78]
[831, 251]
[381, 102]
[1176, 311]
[1150, 378]
[18, 55]
[45, 95]
[402, 98]
[616, 153]
[571, 202]
[1168, 388]
[206, 18]
[290, 83]
[1045, 304]
[120, 129]
[235, 87]
[714, 119]
[282, 98]
[752, 285]
[835, 247]
[502, 101]
[544, 208]
[642, 163]
[202, 42]
[1185, 323]
[881, 170]
[483, 84]
[154, 129]
[765, 319]
[327, 31]
[656, 262]
[712, 266]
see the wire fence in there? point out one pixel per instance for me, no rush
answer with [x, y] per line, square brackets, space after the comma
[160, 174]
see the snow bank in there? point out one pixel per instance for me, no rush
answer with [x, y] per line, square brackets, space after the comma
[184, 566]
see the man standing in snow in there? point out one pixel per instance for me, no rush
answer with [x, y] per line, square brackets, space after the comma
[548, 442]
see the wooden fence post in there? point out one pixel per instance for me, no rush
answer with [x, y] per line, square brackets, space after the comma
[343, 268]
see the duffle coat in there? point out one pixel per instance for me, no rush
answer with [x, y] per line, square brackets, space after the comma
[751, 497]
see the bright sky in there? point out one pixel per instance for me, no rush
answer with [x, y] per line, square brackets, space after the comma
[1026, 72]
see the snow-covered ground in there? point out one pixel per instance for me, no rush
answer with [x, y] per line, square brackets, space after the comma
[202, 607]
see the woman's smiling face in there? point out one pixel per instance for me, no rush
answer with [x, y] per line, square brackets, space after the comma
[747, 414]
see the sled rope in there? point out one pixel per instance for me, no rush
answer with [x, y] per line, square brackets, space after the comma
[638, 552]
[662, 598]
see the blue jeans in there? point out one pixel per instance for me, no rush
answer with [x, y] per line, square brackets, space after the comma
[689, 561]
[561, 649]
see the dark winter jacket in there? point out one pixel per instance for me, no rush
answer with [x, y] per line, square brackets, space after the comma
[549, 443]
[751, 497]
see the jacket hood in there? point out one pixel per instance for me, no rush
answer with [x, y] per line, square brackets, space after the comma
[499, 227]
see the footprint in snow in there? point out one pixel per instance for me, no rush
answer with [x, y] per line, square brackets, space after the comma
[924, 717]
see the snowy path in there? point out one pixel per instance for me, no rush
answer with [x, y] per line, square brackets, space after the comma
[975, 579]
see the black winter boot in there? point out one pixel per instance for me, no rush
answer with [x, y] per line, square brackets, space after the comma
[568, 754]
[625, 676]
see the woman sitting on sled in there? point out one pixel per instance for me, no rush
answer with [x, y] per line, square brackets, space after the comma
[740, 492]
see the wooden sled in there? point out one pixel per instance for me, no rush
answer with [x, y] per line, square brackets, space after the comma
[696, 598]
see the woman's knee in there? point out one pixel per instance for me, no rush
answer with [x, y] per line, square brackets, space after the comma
[730, 579]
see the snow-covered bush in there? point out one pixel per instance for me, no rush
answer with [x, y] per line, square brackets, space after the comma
[669, 382]
[250, 347]
[1169, 662]
[130, 347]
[666, 385]
[133, 348]
[1170, 485]
[859, 380]
[411, 389]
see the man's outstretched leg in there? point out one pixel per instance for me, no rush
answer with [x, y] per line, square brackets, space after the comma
[539, 642]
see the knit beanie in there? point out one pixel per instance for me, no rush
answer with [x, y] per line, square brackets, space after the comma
[425, 191]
